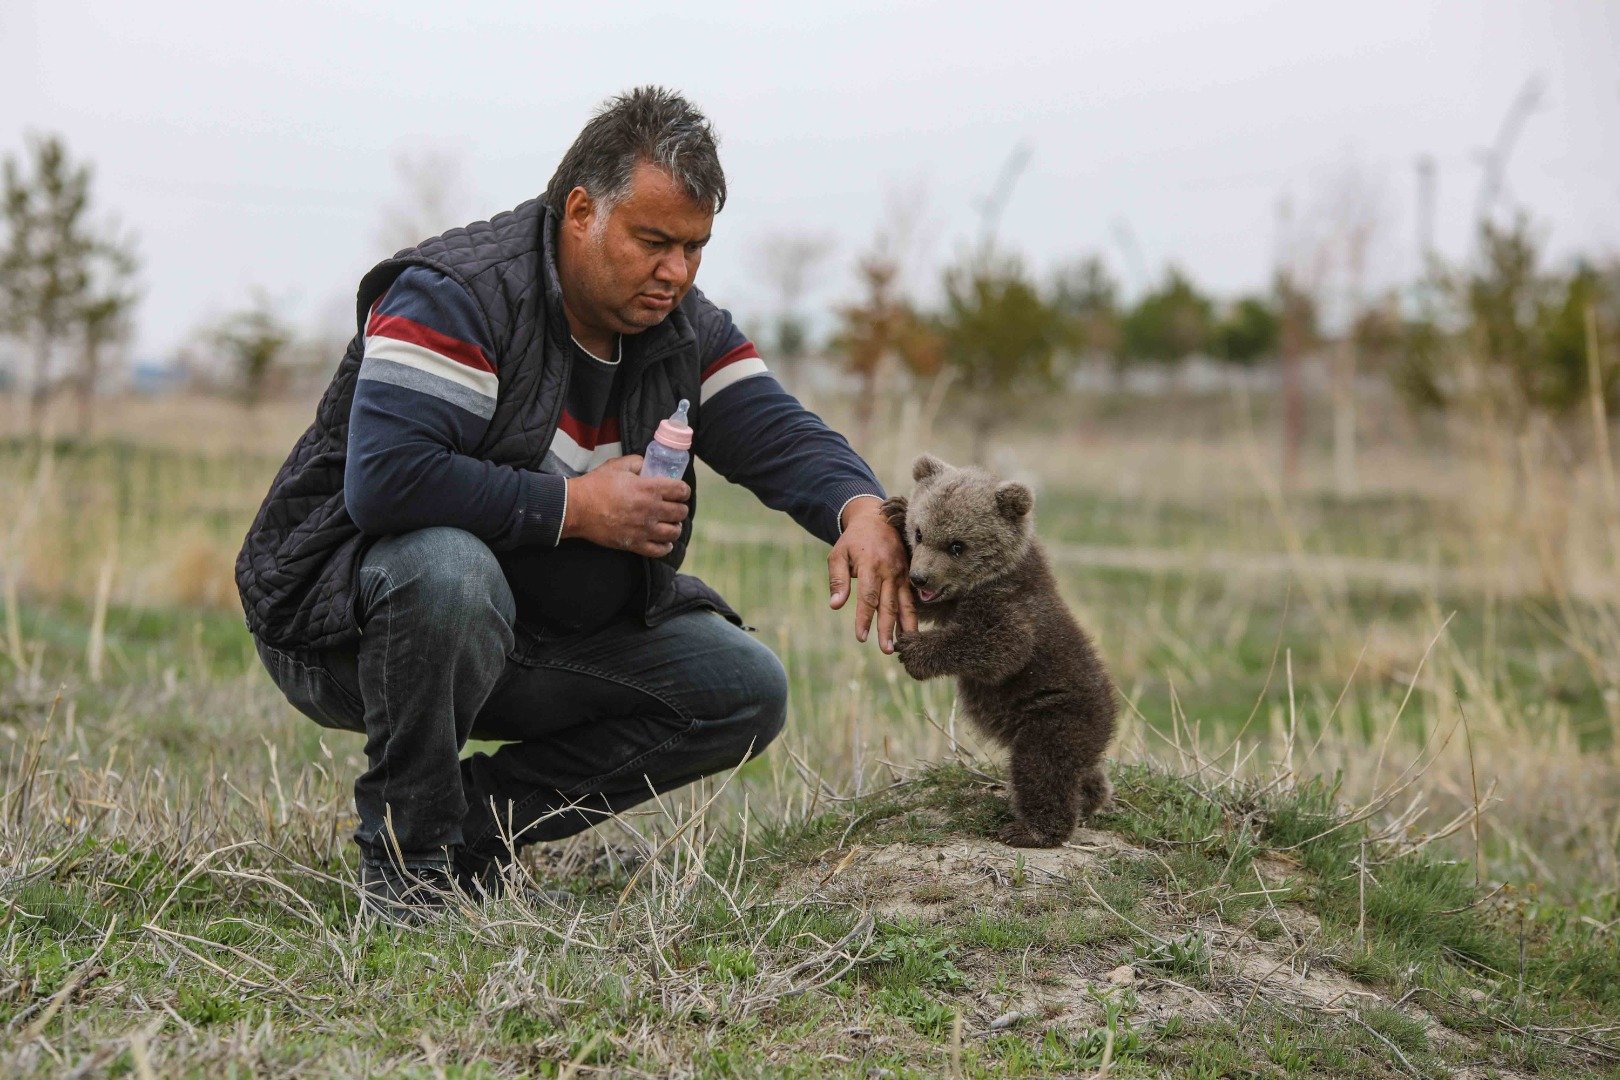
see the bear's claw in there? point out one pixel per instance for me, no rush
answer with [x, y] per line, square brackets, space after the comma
[1018, 834]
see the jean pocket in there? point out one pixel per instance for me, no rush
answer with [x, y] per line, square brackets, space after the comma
[312, 689]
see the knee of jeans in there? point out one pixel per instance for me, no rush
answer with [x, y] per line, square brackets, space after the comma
[761, 719]
[449, 572]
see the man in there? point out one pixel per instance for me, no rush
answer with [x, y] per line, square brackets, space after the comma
[461, 545]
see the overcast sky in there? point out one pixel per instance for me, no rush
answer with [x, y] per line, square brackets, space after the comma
[252, 144]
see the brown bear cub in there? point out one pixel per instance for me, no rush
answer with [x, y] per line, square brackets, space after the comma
[1026, 674]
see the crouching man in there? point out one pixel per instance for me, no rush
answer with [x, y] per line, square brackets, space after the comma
[461, 545]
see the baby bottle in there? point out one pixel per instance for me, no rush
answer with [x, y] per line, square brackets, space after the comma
[671, 446]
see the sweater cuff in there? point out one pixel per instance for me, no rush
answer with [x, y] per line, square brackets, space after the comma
[544, 504]
[841, 496]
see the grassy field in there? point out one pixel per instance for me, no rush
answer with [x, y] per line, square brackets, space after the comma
[1369, 821]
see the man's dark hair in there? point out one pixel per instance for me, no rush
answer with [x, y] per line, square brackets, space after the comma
[649, 124]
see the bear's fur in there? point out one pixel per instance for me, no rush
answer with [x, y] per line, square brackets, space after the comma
[1027, 674]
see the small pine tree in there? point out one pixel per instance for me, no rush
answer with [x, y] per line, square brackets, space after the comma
[57, 274]
[1170, 323]
[254, 341]
[1248, 332]
[1515, 335]
[1003, 339]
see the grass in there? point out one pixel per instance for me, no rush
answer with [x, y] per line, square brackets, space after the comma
[234, 945]
[1368, 751]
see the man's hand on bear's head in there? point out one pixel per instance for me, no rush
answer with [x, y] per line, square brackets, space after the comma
[614, 506]
[870, 552]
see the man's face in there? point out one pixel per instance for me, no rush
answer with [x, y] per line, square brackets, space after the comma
[634, 264]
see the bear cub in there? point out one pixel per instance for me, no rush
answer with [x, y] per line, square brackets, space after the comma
[1027, 675]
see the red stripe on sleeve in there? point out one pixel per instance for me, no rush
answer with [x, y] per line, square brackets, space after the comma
[400, 328]
[745, 351]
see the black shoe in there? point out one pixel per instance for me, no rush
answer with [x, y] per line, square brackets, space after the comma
[412, 891]
[497, 879]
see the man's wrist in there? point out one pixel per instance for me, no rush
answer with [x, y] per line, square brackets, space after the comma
[576, 510]
[562, 521]
[852, 508]
[544, 505]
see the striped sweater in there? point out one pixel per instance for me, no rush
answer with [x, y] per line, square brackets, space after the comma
[424, 399]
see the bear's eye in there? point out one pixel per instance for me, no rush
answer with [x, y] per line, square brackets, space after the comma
[955, 547]
[918, 532]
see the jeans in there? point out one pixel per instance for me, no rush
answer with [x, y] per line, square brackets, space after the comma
[592, 724]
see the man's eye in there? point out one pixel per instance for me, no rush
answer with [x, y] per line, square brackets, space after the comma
[956, 547]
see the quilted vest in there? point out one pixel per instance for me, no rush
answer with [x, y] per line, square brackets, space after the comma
[299, 565]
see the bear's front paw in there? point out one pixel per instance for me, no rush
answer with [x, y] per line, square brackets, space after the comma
[913, 654]
[1019, 834]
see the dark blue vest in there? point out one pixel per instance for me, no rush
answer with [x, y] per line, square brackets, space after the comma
[298, 567]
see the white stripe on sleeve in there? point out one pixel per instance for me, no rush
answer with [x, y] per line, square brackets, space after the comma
[730, 374]
[425, 359]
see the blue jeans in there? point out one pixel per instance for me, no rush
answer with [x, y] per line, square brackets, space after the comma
[593, 723]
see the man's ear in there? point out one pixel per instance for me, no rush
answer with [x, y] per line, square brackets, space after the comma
[579, 209]
[1014, 500]
[927, 466]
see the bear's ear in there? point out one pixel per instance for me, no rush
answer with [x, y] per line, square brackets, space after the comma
[1014, 500]
[927, 466]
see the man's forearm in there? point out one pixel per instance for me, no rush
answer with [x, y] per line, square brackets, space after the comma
[406, 486]
[757, 434]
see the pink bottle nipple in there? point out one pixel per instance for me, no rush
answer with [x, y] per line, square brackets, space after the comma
[674, 432]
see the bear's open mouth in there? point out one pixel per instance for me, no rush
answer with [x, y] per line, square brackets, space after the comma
[928, 596]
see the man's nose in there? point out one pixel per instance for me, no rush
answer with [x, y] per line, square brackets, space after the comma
[671, 268]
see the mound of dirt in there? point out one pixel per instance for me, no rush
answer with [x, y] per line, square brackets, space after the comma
[1169, 958]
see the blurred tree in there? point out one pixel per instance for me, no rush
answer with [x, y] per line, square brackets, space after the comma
[1002, 337]
[1248, 332]
[253, 341]
[1418, 369]
[1086, 297]
[1297, 335]
[790, 262]
[1578, 314]
[792, 339]
[1523, 336]
[1529, 327]
[104, 321]
[1380, 332]
[1356, 209]
[56, 269]
[883, 327]
[1322, 270]
[1170, 323]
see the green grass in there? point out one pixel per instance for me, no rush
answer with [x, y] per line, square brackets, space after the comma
[751, 980]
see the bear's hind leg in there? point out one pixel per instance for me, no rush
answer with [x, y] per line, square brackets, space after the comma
[1046, 789]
